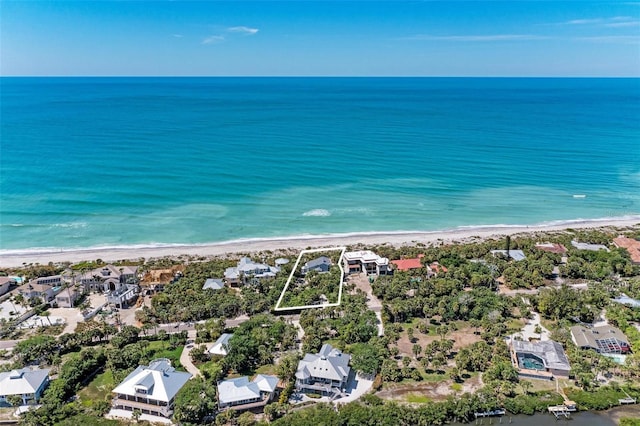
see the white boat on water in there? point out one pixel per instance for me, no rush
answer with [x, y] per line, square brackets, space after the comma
[579, 196]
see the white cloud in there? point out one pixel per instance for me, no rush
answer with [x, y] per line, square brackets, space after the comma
[477, 38]
[213, 39]
[243, 30]
[611, 39]
[623, 24]
[583, 21]
[177, 35]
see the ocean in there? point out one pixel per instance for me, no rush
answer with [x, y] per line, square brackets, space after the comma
[112, 162]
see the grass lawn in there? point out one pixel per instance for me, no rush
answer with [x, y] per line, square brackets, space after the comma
[417, 399]
[162, 350]
[97, 389]
[267, 369]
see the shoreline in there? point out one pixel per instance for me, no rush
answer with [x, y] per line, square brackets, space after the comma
[15, 258]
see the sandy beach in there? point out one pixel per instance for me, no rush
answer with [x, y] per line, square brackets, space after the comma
[16, 258]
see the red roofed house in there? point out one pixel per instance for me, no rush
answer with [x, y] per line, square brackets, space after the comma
[631, 245]
[416, 263]
[408, 264]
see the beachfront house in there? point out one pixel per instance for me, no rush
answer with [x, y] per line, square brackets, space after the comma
[246, 270]
[356, 262]
[39, 291]
[221, 346]
[5, 284]
[320, 264]
[631, 246]
[26, 383]
[240, 394]
[326, 372]
[433, 269]
[605, 339]
[150, 389]
[539, 360]
[109, 278]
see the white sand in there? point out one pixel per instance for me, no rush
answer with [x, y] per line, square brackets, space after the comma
[17, 258]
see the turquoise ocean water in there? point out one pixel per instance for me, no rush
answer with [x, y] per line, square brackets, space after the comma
[143, 161]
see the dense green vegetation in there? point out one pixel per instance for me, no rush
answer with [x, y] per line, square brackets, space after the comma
[424, 317]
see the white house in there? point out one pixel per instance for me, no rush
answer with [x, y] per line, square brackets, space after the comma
[150, 389]
[26, 383]
[109, 278]
[247, 268]
[367, 261]
[320, 264]
[326, 372]
[241, 394]
[33, 290]
[221, 346]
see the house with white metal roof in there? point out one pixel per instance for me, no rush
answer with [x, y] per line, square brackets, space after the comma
[27, 383]
[150, 389]
[221, 346]
[213, 284]
[246, 269]
[241, 394]
[326, 372]
[516, 255]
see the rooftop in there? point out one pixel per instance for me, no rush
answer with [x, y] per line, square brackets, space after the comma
[605, 338]
[159, 381]
[366, 256]
[408, 264]
[629, 244]
[589, 246]
[514, 254]
[213, 284]
[241, 389]
[22, 381]
[221, 346]
[552, 248]
[549, 351]
[329, 363]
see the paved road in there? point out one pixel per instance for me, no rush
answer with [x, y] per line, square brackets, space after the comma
[8, 344]
[185, 357]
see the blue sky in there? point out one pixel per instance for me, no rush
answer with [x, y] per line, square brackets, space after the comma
[399, 38]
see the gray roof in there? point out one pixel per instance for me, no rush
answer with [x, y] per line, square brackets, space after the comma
[213, 284]
[588, 337]
[514, 254]
[549, 351]
[626, 300]
[22, 381]
[587, 246]
[317, 263]
[329, 363]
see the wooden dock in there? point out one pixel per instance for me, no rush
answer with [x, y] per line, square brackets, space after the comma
[560, 411]
[492, 413]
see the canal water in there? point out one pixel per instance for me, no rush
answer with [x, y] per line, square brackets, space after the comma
[583, 418]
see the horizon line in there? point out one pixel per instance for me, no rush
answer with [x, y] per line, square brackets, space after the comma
[320, 76]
